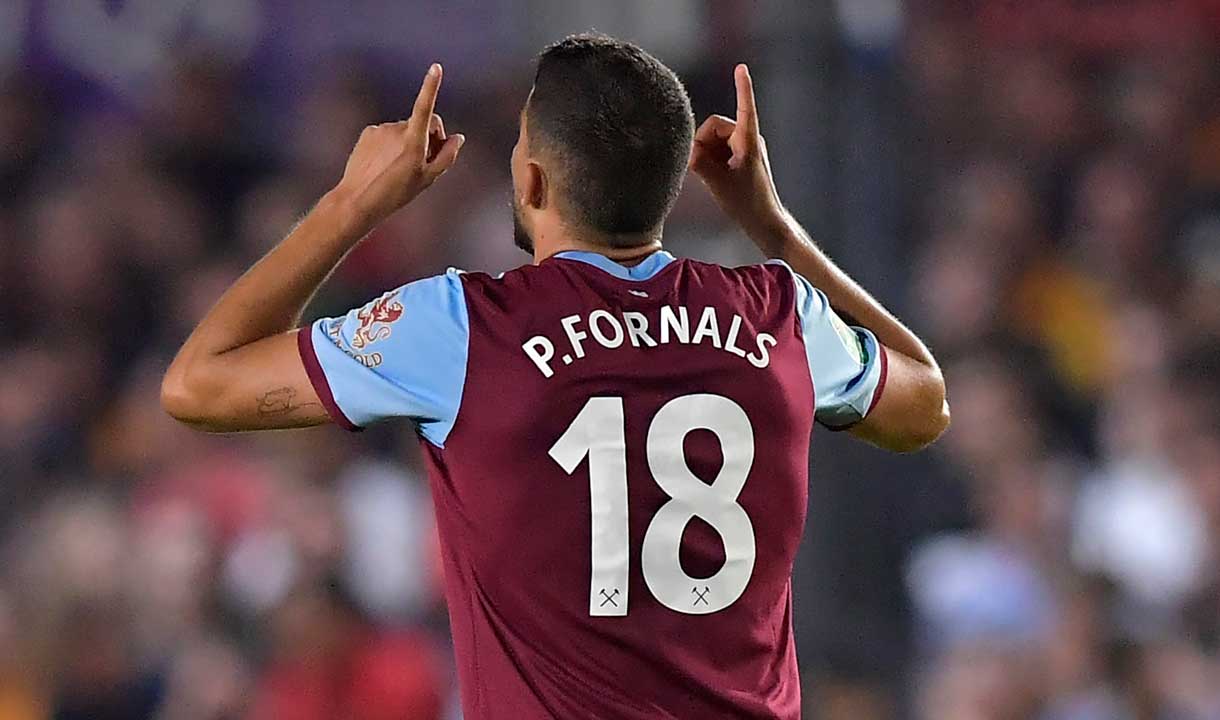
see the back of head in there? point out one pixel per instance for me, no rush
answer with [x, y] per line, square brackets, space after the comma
[617, 125]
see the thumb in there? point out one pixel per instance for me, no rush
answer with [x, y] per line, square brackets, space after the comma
[447, 155]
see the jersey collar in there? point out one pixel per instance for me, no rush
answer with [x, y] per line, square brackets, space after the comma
[644, 270]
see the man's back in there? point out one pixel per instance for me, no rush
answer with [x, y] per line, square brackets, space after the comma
[535, 462]
[619, 472]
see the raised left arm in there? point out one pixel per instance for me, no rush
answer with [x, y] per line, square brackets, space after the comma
[240, 369]
[730, 156]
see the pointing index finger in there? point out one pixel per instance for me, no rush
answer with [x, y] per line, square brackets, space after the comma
[747, 113]
[421, 114]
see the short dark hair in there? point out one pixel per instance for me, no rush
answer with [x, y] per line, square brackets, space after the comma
[620, 124]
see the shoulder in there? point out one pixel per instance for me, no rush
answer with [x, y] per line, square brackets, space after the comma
[806, 297]
[439, 295]
[521, 275]
[447, 282]
[770, 282]
[770, 271]
[508, 288]
[783, 271]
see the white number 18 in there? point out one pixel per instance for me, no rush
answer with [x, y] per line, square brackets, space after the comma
[598, 432]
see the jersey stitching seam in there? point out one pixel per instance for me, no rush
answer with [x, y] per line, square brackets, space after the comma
[800, 332]
[457, 411]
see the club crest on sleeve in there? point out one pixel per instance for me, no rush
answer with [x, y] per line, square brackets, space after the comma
[375, 320]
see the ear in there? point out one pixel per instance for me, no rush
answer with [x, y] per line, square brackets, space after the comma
[536, 186]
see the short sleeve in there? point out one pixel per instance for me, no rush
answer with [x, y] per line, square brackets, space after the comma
[847, 363]
[401, 355]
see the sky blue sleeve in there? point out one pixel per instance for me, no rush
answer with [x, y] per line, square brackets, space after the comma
[401, 355]
[847, 363]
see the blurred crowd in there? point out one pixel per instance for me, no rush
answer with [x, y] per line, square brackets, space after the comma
[1058, 555]
[1068, 275]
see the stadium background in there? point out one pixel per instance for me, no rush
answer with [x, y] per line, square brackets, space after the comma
[1035, 186]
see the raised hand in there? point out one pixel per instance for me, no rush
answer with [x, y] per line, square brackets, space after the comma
[730, 157]
[394, 162]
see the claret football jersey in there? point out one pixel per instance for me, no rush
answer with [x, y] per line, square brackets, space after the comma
[619, 463]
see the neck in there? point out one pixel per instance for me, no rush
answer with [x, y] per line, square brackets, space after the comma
[627, 249]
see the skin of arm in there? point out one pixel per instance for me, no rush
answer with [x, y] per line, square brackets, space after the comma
[240, 368]
[730, 157]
